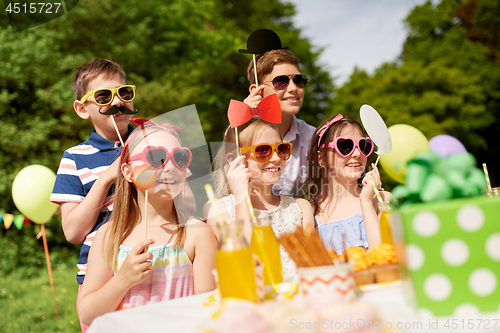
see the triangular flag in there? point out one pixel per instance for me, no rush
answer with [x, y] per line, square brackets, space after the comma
[1, 216]
[7, 220]
[26, 221]
[18, 221]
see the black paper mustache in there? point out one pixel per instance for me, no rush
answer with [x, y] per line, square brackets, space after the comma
[114, 110]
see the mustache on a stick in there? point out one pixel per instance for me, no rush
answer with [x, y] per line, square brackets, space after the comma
[114, 110]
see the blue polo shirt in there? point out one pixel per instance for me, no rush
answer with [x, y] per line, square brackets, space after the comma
[79, 168]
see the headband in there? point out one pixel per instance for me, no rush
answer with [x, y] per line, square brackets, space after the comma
[326, 126]
[143, 123]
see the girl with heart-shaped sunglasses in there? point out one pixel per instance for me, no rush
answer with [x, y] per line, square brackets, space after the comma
[176, 257]
[340, 191]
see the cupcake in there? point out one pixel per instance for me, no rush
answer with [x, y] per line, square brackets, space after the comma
[382, 258]
[363, 274]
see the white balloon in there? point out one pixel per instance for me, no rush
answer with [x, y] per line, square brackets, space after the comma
[376, 129]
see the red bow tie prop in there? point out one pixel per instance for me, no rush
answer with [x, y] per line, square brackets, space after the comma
[268, 109]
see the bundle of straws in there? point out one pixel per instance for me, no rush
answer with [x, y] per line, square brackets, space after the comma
[306, 248]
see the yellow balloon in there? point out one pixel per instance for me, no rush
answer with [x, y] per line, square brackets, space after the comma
[31, 191]
[407, 142]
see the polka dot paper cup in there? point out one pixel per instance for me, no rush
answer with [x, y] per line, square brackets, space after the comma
[325, 286]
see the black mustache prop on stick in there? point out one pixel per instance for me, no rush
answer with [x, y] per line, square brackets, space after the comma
[114, 110]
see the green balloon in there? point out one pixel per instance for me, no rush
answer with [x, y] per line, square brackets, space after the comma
[31, 191]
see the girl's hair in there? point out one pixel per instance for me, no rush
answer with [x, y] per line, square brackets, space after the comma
[246, 135]
[126, 212]
[318, 177]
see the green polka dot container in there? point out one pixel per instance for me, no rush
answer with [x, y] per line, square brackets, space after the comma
[451, 253]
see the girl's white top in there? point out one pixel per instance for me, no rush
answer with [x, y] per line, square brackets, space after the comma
[285, 219]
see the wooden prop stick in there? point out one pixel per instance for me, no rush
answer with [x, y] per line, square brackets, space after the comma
[117, 131]
[378, 158]
[146, 214]
[255, 70]
[47, 257]
[237, 141]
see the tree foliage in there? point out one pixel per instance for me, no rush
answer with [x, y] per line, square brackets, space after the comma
[446, 81]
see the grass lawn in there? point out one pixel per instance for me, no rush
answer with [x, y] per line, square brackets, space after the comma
[26, 305]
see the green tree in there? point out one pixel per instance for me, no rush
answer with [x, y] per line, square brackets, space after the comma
[446, 80]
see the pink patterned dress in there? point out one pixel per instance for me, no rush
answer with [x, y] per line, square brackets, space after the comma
[172, 276]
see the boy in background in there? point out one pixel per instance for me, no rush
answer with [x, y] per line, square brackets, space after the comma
[87, 172]
[278, 72]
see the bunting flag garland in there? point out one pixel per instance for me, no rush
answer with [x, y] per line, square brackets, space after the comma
[7, 220]
[18, 220]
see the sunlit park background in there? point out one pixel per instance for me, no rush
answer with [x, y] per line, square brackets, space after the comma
[181, 52]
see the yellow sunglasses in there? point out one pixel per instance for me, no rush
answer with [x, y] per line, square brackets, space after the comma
[104, 96]
[264, 151]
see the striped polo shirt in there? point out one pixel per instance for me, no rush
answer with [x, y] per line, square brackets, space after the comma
[79, 168]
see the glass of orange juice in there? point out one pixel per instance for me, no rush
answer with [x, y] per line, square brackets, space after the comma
[235, 264]
[385, 224]
[266, 247]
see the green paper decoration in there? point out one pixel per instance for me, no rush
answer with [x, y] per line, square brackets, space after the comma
[430, 178]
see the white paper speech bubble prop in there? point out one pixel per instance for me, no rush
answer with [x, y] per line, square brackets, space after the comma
[376, 129]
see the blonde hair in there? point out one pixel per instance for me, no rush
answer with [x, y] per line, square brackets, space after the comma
[246, 135]
[126, 212]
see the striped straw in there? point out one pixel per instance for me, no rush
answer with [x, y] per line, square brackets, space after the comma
[250, 208]
[211, 197]
[487, 176]
[377, 194]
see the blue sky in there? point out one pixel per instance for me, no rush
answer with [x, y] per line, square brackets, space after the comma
[362, 33]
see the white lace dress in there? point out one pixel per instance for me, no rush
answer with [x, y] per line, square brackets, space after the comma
[285, 219]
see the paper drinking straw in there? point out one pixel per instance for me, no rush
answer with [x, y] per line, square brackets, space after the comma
[255, 70]
[377, 194]
[117, 131]
[211, 197]
[250, 208]
[486, 175]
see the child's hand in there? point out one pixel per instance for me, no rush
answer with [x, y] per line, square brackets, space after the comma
[238, 175]
[255, 96]
[111, 173]
[368, 193]
[137, 266]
